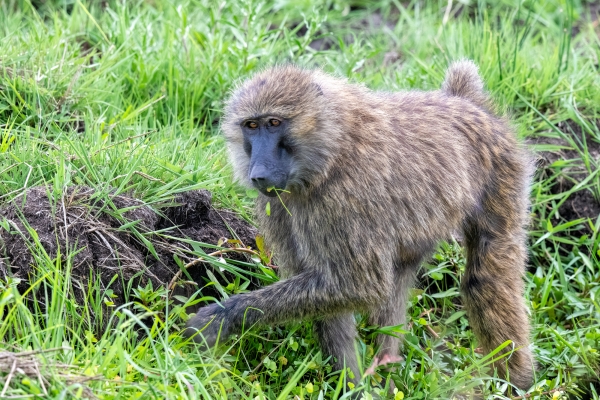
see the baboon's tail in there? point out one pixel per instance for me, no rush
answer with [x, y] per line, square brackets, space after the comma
[463, 80]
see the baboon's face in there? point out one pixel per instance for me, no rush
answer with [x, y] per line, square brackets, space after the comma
[268, 145]
[274, 127]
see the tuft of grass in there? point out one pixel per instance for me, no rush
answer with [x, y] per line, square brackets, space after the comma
[126, 96]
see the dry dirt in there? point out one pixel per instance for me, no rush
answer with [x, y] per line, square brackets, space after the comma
[89, 229]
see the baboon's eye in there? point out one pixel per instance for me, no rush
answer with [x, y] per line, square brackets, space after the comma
[251, 125]
[274, 122]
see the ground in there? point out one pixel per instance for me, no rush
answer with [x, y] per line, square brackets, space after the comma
[115, 190]
[89, 228]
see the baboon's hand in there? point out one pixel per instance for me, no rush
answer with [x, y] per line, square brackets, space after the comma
[208, 325]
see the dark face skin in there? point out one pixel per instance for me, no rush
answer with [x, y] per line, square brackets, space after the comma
[268, 145]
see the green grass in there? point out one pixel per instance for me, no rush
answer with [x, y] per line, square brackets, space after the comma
[127, 96]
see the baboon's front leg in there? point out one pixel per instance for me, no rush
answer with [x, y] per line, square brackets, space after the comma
[308, 295]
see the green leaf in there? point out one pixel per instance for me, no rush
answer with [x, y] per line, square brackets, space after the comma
[454, 317]
[448, 293]
[260, 243]
[437, 276]
[586, 260]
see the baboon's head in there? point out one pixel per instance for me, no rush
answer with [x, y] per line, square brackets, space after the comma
[274, 126]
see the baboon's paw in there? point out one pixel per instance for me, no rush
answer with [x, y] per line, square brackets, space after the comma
[207, 325]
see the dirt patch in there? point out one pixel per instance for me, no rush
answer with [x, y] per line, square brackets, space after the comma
[581, 203]
[369, 23]
[103, 236]
[90, 49]
[589, 15]
[566, 152]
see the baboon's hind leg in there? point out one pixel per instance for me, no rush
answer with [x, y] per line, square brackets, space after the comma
[493, 287]
[337, 336]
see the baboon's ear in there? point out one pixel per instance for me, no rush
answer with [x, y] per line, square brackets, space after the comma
[318, 89]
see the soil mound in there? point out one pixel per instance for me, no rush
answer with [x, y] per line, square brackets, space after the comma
[103, 236]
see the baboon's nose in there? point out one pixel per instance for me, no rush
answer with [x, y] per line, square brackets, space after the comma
[259, 175]
[262, 179]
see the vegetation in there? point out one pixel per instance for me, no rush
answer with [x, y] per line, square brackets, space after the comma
[125, 97]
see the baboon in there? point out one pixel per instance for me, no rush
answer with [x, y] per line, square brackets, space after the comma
[368, 183]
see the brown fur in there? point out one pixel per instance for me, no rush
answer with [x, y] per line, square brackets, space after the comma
[377, 180]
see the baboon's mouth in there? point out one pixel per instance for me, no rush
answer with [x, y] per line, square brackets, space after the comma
[270, 191]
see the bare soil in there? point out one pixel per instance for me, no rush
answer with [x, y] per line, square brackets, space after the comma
[89, 230]
[582, 203]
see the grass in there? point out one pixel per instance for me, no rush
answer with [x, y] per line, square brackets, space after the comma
[126, 97]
